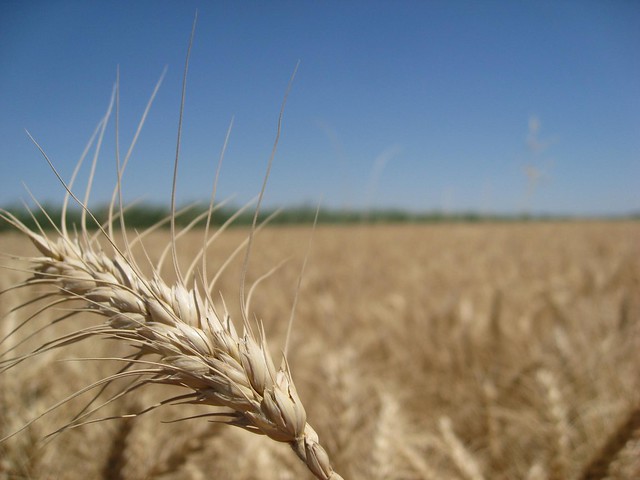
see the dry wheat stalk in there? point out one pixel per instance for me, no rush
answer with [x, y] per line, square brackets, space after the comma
[461, 456]
[178, 336]
[626, 433]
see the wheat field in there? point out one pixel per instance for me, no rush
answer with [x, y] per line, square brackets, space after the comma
[417, 351]
[495, 351]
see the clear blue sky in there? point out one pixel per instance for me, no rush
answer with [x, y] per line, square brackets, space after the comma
[491, 106]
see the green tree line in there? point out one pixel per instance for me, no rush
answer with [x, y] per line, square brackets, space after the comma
[147, 215]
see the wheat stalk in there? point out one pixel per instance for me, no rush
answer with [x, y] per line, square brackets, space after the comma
[178, 336]
[626, 432]
[458, 452]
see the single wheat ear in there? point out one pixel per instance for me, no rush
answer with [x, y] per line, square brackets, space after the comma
[178, 336]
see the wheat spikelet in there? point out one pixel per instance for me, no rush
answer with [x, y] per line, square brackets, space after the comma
[384, 448]
[560, 467]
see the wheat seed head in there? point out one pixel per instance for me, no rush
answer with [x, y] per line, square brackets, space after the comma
[178, 336]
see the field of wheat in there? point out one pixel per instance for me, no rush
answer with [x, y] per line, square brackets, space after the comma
[471, 351]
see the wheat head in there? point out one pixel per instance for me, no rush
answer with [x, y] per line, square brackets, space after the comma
[195, 346]
[178, 336]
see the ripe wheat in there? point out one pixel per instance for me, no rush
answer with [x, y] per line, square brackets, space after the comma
[179, 336]
[196, 347]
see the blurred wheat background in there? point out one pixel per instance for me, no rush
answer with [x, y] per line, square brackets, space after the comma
[502, 351]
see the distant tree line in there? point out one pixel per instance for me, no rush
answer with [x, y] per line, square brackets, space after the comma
[147, 215]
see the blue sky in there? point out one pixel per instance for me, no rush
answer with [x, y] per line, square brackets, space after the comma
[452, 105]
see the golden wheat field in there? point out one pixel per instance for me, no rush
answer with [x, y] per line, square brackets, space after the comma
[449, 351]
